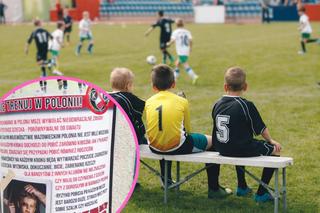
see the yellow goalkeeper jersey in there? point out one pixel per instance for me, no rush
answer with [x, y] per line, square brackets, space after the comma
[168, 121]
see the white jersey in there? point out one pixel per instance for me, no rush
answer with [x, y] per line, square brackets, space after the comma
[85, 28]
[57, 39]
[182, 38]
[304, 20]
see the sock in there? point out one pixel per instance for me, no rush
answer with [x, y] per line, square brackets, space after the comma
[43, 71]
[169, 169]
[213, 176]
[164, 57]
[266, 177]
[303, 46]
[190, 72]
[241, 177]
[65, 84]
[176, 73]
[170, 57]
[59, 84]
[311, 40]
[90, 48]
[53, 62]
[43, 85]
[79, 48]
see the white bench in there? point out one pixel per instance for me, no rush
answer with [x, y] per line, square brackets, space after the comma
[215, 157]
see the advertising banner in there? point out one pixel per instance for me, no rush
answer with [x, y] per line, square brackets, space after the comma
[56, 150]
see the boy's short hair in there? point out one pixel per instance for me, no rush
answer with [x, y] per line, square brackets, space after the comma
[302, 9]
[179, 22]
[60, 24]
[37, 22]
[162, 77]
[235, 78]
[120, 78]
[160, 13]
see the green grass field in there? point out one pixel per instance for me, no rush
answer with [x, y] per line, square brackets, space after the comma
[281, 83]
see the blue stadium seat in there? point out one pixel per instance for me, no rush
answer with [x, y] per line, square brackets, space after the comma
[144, 7]
[243, 9]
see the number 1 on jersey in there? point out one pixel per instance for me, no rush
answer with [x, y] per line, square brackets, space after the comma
[159, 109]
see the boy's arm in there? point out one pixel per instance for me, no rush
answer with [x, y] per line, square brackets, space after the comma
[187, 123]
[70, 23]
[190, 44]
[256, 122]
[170, 42]
[81, 26]
[302, 23]
[149, 31]
[172, 39]
[301, 26]
[26, 48]
[49, 35]
[151, 28]
[266, 135]
[60, 40]
[30, 189]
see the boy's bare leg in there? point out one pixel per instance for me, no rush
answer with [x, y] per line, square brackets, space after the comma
[209, 139]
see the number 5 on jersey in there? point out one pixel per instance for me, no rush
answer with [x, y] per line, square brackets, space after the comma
[222, 128]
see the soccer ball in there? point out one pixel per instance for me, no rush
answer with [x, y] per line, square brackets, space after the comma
[151, 59]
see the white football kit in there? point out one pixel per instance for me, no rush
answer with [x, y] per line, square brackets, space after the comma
[182, 38]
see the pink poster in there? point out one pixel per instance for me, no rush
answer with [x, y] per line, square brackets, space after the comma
[56, 150]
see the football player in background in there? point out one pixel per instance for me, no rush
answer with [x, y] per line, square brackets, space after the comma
[67, 19]
[183, 39]
[305, 30]
[85, 33]
[41, 37]
[55, 46]
[165, 35]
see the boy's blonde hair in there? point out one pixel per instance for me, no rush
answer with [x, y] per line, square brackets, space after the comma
[179, 22]
[121, 78]
[235, 78]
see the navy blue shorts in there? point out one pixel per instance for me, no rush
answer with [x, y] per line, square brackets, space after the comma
[42, 55]
[252, 149]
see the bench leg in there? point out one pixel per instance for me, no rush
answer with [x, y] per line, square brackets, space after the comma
[178, 176]
[284, 189]
[165, 182]
[276, 191]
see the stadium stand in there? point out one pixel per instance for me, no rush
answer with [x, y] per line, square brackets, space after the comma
[144, 8]
[246, 9]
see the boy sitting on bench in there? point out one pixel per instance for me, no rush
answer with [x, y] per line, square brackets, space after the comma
[235, 120]
[168, 119]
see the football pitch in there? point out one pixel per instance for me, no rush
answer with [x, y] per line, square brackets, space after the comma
[282, 84]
